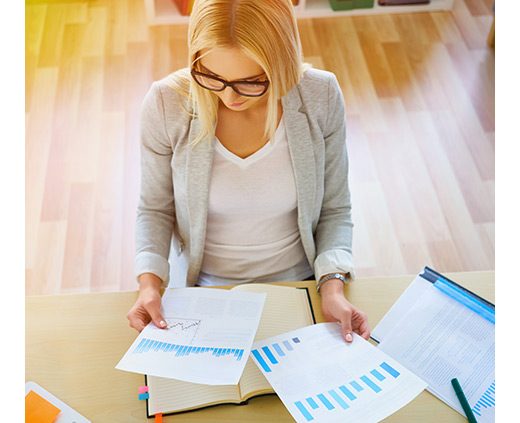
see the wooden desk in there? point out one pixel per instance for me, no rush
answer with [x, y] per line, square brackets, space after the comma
[73, 343]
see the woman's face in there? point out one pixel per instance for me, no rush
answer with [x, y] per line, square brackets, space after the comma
[231, 64]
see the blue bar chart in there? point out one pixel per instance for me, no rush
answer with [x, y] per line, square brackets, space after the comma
[341, 397]
[487, 400]
[270, 355]
[147, 345]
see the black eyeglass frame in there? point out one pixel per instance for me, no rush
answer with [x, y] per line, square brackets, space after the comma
[230, 84]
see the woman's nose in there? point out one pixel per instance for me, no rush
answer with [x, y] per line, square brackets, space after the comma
[230, 96]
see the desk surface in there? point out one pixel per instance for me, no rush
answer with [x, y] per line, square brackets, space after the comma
[73, 343]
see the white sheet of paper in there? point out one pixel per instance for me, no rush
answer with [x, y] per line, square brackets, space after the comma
[438, 338]
[208, 340]
[321, 378]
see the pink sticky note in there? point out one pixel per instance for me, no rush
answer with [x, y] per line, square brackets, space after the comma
[143, 389]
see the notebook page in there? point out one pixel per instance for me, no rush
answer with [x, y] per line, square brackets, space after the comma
[285, 309]
[167, 395]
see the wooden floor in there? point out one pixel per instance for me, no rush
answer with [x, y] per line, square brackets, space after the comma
[419, 92]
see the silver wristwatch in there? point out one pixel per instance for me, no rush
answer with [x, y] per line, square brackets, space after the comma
[330, 276]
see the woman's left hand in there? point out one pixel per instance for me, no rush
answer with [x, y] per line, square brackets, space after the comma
[336, 308]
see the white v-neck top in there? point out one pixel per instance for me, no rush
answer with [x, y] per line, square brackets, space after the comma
[252, 228]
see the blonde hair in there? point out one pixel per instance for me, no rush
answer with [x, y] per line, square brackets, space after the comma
[264, 30]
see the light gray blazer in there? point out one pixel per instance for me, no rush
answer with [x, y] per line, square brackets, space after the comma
[175, 180]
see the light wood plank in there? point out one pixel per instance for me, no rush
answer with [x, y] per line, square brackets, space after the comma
[387, 254]
[308, 39]
[117, 28]
[50, 50]
[449, 192]
[447, 28]
[96, 26]
[84, 142]
[469, 27]
[402, 74]
[478, 7]
[47, 273]
[385, 29]
[360, 95]
[78, 241]
[106, 255]
[34, 26]
[138, 28]
[38, 133]
[375, 58]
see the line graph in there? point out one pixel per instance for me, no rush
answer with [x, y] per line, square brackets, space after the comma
[184, 329]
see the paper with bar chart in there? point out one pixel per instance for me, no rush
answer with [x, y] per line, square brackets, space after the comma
[321, 378]
[208, 340]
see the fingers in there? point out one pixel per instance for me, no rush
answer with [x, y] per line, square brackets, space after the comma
[154, 309]
[340, 310]
[346, 326]
[137, 319]
[354, 319]
[134, 322]
[139, 322]
[144, 311]
[364, 330]
[137, 325]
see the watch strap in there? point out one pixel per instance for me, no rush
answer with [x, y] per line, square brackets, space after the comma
[330, 276]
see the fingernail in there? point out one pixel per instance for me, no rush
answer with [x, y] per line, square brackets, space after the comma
[162, 323]
[348, 337]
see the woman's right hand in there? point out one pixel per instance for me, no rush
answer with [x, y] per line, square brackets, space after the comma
[148, 305]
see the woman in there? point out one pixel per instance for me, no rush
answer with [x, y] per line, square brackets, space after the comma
[244, 161]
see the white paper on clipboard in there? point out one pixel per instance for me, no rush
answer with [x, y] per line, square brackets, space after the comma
[439, 338]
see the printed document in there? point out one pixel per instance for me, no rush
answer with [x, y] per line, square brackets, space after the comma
[321, 378]
[208, 340]
[439, 338]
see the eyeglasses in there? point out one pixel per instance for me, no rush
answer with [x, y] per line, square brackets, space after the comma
[245, 88]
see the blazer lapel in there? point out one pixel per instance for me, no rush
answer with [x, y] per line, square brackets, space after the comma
[302, 156]
[199, 164]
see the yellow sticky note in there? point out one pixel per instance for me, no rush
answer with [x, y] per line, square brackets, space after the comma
[39, 410]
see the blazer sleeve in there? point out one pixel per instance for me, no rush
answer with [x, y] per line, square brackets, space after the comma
[333, 235]
[156, 209]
